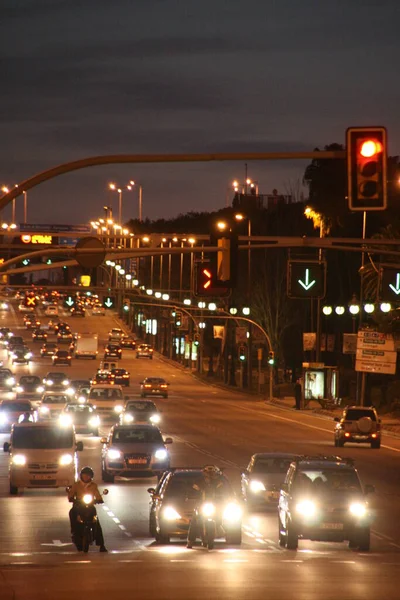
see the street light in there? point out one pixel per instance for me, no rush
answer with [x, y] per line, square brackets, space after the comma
[240, 217]
[129, 187]
[327, 310]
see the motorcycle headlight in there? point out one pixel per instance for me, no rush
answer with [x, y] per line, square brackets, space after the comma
[155, 418]
[87, 498]
[161, 454]
[44, 409]
[94, 421]
[3, 419]
[170, 514]
[358, 509]
[66, 459]
[118, 409]
[128, 419]
[65, 421]
[19, 389]
[233, 512]
[65, 382]
[19, 459]
[40, 389]
[257, 486]
[306, 508]
[113, 454]
[208, 509]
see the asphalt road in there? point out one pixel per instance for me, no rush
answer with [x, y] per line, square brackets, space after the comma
[207, 424]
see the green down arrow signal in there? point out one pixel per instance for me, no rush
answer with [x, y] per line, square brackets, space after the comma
[108, 303]
[69, 301]
[307, 284]
[396, 289]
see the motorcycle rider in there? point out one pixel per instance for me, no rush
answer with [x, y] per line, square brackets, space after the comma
[86, 485]
[213, 486]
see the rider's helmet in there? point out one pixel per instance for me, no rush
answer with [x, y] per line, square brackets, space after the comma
[211, 472]
[87, 471]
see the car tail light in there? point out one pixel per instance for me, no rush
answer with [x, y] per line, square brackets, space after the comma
[346, 434]
[147, 385]
[163, 385]
[374, 435]
[125, 376]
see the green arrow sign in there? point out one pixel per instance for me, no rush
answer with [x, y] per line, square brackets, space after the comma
[307, 284]
[69, 301]
[108, 301]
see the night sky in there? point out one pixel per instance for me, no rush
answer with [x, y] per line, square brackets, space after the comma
[92, 77]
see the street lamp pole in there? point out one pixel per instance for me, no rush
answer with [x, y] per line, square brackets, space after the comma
[25, 194]
[140, 204]
[120, 205]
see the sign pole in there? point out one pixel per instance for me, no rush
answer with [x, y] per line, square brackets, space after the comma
[271, 371]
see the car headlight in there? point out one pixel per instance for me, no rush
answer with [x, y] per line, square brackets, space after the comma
[66, 459]
[94, 421]
[128, 419]
[65, 382]
[170, 514]
[155, 418]
[87, 498]
[306, 508]
[49, 382]
[208, 509]
[40, 389]
[161, 454]
[3, 419]
[257, 486]
[13, 355]
[65, 420]
[44, 409]
[19, 389]
[232, 512]
[28, 355]
[113, 454]
[81, 399]
[358, 509]
[70, 391]
[118, 408]
[19, 459]
[10, 381]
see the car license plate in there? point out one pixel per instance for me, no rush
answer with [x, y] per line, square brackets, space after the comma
[137, 461]
[43, 476]
[331, 525]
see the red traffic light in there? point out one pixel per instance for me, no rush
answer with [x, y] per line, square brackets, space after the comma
[370, 148]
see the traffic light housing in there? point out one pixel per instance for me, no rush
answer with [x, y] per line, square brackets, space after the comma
[178, 318]
[271, 358]
[196, 339]
[206, 281]
[242, 353]
[224, 261]
[366, 168]
[126, 306]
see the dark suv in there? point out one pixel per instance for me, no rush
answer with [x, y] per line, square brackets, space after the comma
[322, 499]
[358, 424]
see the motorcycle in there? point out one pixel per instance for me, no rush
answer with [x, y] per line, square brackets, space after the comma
[86, 521]
[217, 520]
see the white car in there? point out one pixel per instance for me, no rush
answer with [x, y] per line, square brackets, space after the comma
[52, 405]
[26, 309]
[51, 311]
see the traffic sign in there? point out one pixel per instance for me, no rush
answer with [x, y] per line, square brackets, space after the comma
[306, 279]
[109, 301]
[30, 301]
[375, 353]
[69, 301]
[389, 284]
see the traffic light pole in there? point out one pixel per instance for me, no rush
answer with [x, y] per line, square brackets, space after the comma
[361, 377]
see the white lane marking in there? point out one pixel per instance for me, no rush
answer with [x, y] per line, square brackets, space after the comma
[104, 507]
[110, 514]
[23, 562]
[179, 560]
[127, 534]
[260, 541]
[344, 562]
[292, 561]
[130, 560]
[77, 562]
[122, 527]
[116, 520]
[235, 560]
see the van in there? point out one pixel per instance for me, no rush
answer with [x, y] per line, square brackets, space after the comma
[42, 455]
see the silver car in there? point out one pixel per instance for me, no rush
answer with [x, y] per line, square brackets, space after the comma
[132, 451]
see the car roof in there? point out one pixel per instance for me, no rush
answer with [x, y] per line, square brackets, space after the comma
[363, 408]
[288, 455]
[14, 401]
[50, 425]
[136, 426]
[326, 464]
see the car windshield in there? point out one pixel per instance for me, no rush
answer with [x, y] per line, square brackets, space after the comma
[29, 380]
[79, 408]
[327, 480]
[55, 399]
[56, 376]
[182, 486]
[154, 380]
[105, 394]
[118, 372]
[271, 465]
[62, 353]
[43, 438]
[15, 406]
[141, 406]
[136, 436]
[50, 346]
[353, 414]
